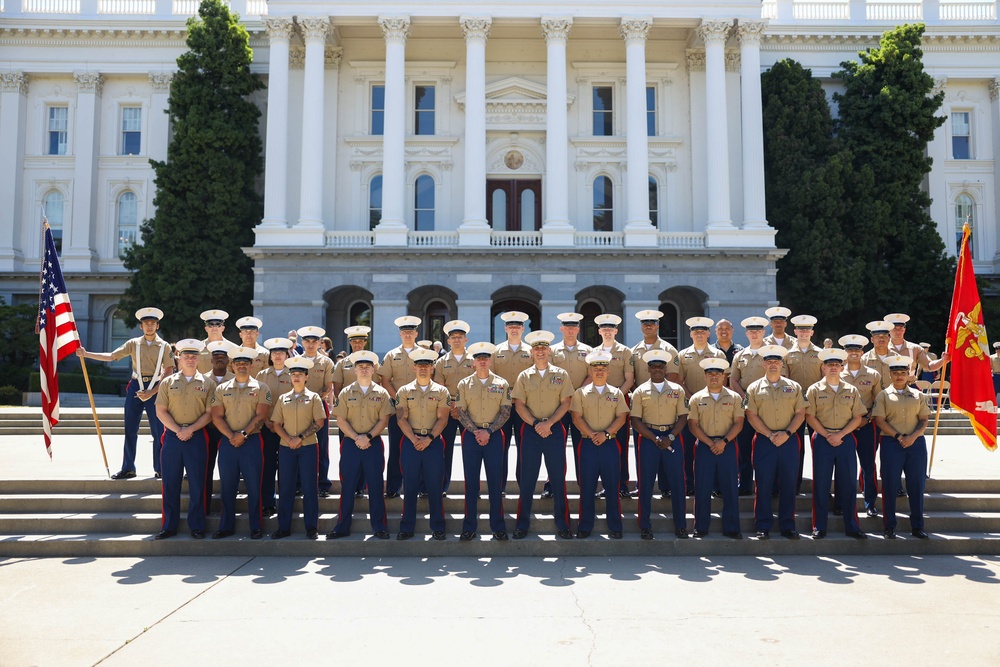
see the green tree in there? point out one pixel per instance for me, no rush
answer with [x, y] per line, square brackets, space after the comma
[18, 343]
[206, 200]
[887, 117]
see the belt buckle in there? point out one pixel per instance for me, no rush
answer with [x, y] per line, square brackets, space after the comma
[484, 425]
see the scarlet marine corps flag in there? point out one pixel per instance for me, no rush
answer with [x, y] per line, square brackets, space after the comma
[971, 373]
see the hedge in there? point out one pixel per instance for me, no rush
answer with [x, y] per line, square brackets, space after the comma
[10, 395]
[73, 383]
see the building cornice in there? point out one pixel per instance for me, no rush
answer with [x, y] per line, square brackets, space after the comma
[815, 38]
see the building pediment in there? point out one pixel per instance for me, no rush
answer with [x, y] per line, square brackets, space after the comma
[514, 104]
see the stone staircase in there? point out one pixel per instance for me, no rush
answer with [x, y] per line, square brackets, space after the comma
[68, 518]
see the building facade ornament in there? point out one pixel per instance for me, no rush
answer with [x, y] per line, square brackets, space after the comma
[332, 56]
[278, 29]
[732, 61]
[696, 60]
[714, 30]
[160, 81]
[635, 30]
[556, 29]
[89, 82]
[994, 90]
[395, 27]
[749, 32]
[14, 82]
[314, 28]
[939, 85]
[476, 27]
[296, 58]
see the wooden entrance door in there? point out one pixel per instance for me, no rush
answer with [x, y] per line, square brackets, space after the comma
[514, 205]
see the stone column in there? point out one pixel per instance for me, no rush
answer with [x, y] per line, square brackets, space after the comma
[13, 110]
[556, 227]
[477, 313]
[314, 31]
[942, 209]
[754, 211]
[474, 230]
[159, 121]
[279, 31]
[385, 334]
[79, 255]
[392, 230]
[714, 33]
[994, 93]
[639, 229]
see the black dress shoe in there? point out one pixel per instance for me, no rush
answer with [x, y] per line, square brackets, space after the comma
[124, 474]
[838, 512]
[818, 534]
[901, 493]
[889, 534]
[334, 535]
[716, 494]
[790, 534]
[624, 493]
[681, 533]
[546, 494]
[422, 494]
[858, 535]
[198, 534]
[157, 475]
[438, 535]
[615, 534]
[734, 536]
[359, 494]
[269, 512]
[763, 535]
[323, 494]
[312, 534]
[382, 534]
[665, 495]
[298, 493]
[564, 535]
[520, 534]
[919, 534]
[599, 494]
[646, 534]
[466, 536]
[582, 534]
[256, 534]
[403, 536]
[872, 511]
[219, 534]
[164, 534]
[700, 533]
[391, 494]
[278, 534]
[500, 536]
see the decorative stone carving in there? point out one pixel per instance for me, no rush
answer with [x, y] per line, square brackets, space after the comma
[160, 81]
[89, 82]
[395, 27]
[732, 61]
[14, 82]
[556, 28]
[939, 85]
[278, 29]
[513, 160]
[749, 32]
[331, 57]
[296, 58]
[695, 60]
[634, 30]
[314, 28]
[994, 89]
[476, 28]
[714, 31]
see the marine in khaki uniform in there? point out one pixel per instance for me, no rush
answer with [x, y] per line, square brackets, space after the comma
[319, 380]
[397, 370]
[484, 405]
[570, 355]
[716, 418]
[278, 380]
[869, 384]
[182, 406]
[219, 373]
[804, 366]
[621, 374]
[541, 396]
[835, 410]
[598, 410]
[450, 369]
[343, 375]
[692, 378]
[875, 358]
[298, 416]
[239, 408]
[362, 410]
[901, 414]
[659, 418]
[511, 357]
[747, 368]
[775, 407]
[249, 333]
[900, 346]
[778, 318]
[215, 326]
[151, 360]
[422, 412]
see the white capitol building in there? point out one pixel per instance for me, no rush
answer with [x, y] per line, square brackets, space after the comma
[458, 159]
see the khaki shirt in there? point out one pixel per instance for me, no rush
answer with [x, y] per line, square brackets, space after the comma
[995, 363]
[147, 354]
[804, 367]
[832, 408]
[902, 411]
[298, 413]
[868, 381]
[205, 359]
[422, 406]
[542, 395]
[483, 400]
[397, 367]
[659, 408]
[508, 364]
[321, 374]
[598, 409]
[912, 350]
[261, 361]
[776, 406]
[715, 416]
[240, 404]
[343, 372]
[693, 375]
[788, 342]
[748, 367]
[641, 368]
[449, 371]
[873, 359]
[277, 384]
[185, 400]
[622, 361]
[572, 361]
[362, 410]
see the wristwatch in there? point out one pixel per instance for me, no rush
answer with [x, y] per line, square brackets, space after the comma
[607, 435]
[671, 436]
[243, 433]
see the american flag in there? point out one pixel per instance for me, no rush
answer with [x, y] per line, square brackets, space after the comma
[57, 334]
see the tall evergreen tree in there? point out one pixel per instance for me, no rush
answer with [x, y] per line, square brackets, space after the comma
[206, 199]
[887, 118]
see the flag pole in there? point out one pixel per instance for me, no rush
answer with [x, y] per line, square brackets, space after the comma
[937, 418]
[93, 410]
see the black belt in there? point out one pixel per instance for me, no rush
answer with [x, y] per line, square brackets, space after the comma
[659, 429]
[422, 431]
[483, 425]
[184, 425]
[144, 378]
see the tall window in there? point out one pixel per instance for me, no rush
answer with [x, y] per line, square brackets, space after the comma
[131, 130]
[588, 330]
[963, 212]
[128, 221]
[651, 111]
[378, 109]
[423, 204]
[669, 324]
[654, 202]
[603, 205]
[374, 201]
[58, 130]
[423, 120]
[435, 316]
[603, 111]
[54, 203]
[360, 315]
[961, 136]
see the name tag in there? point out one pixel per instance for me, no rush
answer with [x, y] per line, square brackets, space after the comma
[556, 380]
[494, 390]
[788, 390]
[611, 398]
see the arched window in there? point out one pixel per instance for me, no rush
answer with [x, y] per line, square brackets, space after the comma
[128, 222]
[54, 203]
[603, 205]
[435, 315]
[374, 201]
[588, 330]
[963, 212]
[360, 315]
[423, 204]
[654, 202]
[669, 323]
